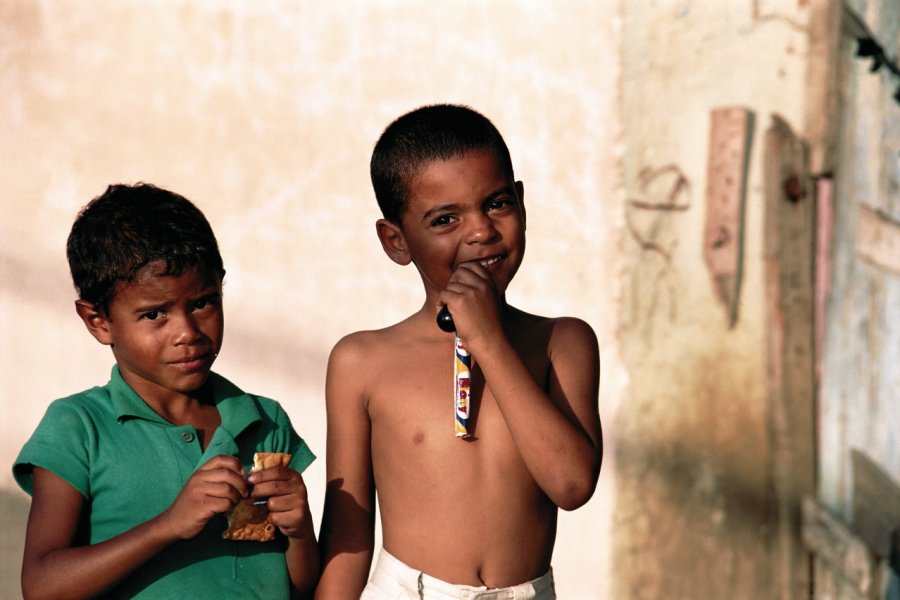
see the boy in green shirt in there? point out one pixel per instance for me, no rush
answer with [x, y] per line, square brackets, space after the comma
[130, 481]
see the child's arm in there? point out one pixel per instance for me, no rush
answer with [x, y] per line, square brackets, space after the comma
[557, 430]
[289, 510]
[348, 522]
[53, 567]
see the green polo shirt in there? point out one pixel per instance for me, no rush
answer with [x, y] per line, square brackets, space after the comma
[130, 464]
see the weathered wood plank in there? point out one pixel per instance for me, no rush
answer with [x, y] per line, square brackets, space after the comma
[730, 136]
[876, 504]
[822, 282]
[845, 556]
[789, 226]
[878, 239]
[823, 84]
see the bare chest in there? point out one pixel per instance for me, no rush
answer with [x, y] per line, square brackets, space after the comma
[413, 410]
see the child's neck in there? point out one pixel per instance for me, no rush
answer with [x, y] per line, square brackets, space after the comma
[196, 409]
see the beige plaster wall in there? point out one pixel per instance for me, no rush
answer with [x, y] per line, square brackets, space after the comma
[693, 511]
[264, 113]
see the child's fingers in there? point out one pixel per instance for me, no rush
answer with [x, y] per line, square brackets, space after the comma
[469, 283]
[277, 481]
[213, 489]
[223, 461]
[273, 474]
[222, 476]
[468, 275]
[289, 506]
[471, 278]
[466, 281]
[472, 269]
[289, 521]
[276, 491]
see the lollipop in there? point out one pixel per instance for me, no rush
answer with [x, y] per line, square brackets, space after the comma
[445, 320]
[462, 377]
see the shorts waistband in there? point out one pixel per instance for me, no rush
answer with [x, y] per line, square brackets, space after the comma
[422, 583]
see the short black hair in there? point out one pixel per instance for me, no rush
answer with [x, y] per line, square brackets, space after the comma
[129, 227]
[433, 132]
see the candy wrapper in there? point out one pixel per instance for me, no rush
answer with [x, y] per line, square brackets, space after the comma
[462, 383]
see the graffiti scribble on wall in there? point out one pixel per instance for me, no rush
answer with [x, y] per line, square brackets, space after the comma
[663, 193]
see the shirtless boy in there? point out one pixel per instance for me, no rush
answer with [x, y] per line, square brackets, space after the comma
[459, 516]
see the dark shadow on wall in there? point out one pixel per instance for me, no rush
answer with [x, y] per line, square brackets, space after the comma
[14, 507]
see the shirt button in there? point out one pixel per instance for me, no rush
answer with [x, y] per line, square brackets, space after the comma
[187, 437]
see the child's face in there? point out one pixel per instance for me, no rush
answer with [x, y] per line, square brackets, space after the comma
[464, 209]
[165, 331]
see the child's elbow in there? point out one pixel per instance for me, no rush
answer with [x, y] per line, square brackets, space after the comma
[33, 588]
[575, 495]
[577, 490]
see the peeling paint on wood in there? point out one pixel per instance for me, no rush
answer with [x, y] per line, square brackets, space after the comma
[730, 136]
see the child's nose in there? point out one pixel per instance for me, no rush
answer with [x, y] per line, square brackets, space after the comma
[188, 330]
[481, 229]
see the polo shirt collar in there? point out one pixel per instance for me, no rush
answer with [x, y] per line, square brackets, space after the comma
[236, 409]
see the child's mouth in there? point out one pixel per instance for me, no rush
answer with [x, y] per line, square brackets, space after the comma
[192, 362]
[490, 261]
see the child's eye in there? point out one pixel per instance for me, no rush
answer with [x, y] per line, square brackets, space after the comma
[151, 315]
[497, 203]
[442, 221]
[206, 302]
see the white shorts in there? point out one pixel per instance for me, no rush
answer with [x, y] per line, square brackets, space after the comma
[394, 580]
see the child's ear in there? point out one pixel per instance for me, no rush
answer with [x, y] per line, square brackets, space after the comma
[95, 321]
[393, 242]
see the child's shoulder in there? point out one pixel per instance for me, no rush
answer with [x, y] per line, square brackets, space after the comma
[369, 341]
[90, 401]
[557, 329]
[559, 339]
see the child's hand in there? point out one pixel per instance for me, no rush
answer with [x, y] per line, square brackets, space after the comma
[471, 297]
[213, 489]
[287, 501]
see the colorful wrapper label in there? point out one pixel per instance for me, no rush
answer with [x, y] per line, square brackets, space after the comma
[462, 383]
